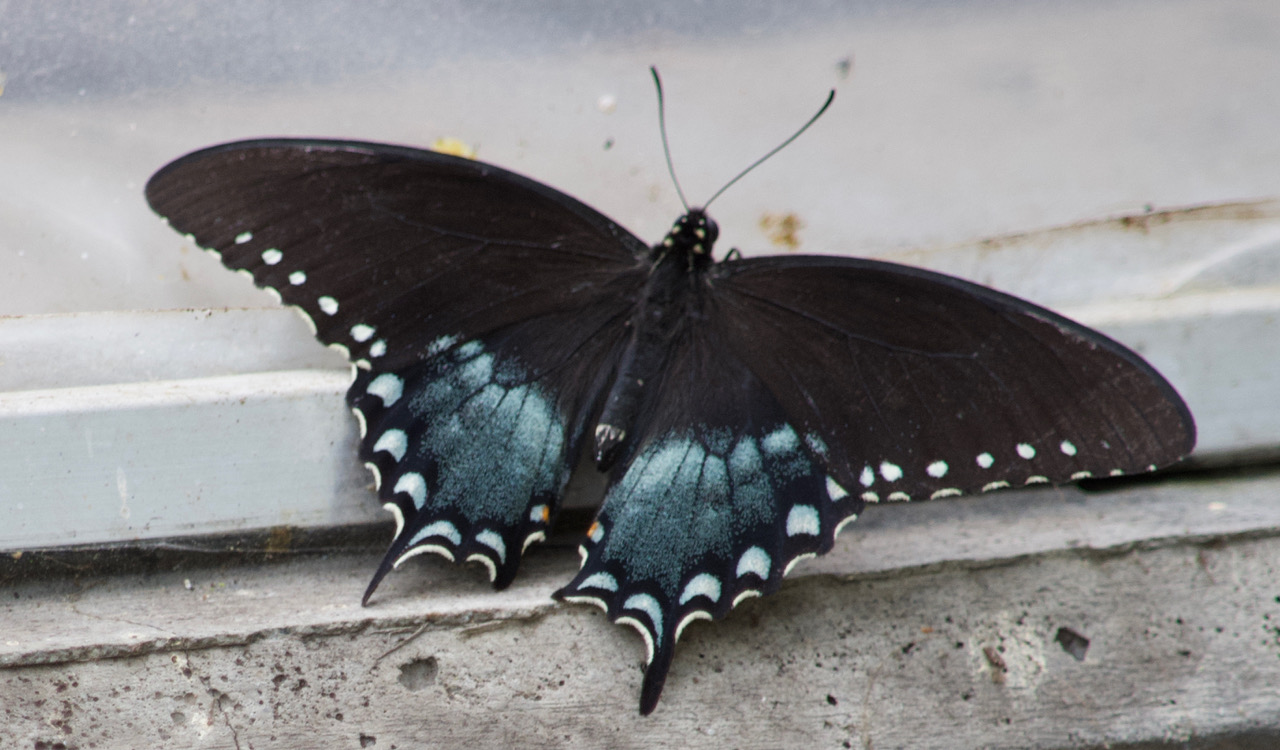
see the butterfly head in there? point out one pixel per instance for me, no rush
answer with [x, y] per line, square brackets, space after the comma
[693, 234]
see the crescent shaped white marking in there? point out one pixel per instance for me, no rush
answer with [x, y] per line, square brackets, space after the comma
[493, 540]
[803, 519]
[387, 387]
[395, 442]
[703, 584]
[439, 528]
[697, 614]
[412, 484]
[755, 560]
[434, 549]
[599, 581]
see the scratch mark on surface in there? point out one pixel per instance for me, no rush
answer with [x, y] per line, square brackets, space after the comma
[122, 486]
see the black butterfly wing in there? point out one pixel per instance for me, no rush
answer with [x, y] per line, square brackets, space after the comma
[386, 248]
[473, 446]
[811, 386]
[923, 385]
[713, 504]
[483, 311]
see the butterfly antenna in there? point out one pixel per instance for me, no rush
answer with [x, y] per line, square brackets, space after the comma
[830, 98]
[662, 126]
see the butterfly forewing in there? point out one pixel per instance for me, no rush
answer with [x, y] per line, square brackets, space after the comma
[387, 248]
[923, 385]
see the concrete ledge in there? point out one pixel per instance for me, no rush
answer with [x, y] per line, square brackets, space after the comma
[948, 624]
[178, 457]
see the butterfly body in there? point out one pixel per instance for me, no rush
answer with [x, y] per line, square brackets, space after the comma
[745, 410]
[674, 296]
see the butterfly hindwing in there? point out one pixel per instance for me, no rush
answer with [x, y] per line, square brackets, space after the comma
[713, 504]
[474, 445]
[449, 442]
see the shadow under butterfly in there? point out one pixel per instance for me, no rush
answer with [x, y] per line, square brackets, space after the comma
[744, 409]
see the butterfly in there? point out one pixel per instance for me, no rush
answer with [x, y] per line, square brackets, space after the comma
[744, 409]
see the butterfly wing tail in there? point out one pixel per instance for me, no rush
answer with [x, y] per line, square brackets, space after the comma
[655, 676]
[386, 566]
[640, 609]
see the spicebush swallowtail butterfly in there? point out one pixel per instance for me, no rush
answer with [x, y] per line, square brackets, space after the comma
[745, 409]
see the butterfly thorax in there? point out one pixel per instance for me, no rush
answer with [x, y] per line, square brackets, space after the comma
[692, 237]
[670, 299]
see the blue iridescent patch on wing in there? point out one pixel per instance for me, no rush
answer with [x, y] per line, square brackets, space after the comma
[698, 522]
[470, 456]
